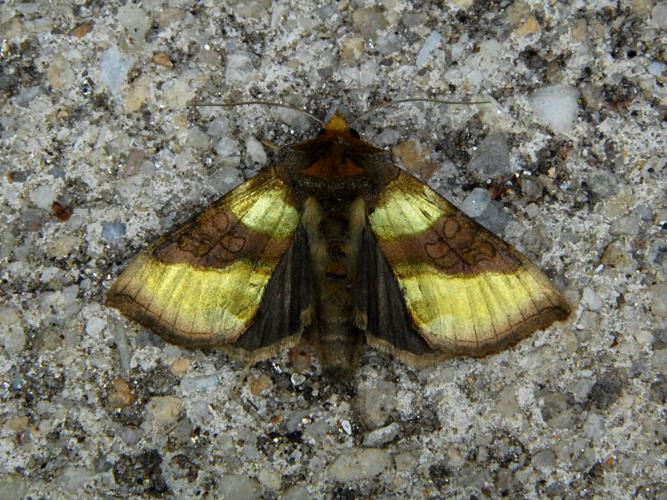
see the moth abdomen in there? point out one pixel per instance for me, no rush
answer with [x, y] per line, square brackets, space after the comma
[334, 241]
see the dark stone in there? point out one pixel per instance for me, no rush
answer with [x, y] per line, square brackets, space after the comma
[658, 391]
[141, 474]
[607, 389]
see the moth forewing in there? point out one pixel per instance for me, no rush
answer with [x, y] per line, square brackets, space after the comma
[338, 245]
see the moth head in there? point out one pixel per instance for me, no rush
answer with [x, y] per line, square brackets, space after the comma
[338, 125]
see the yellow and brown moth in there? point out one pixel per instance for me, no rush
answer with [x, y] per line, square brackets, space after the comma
[336, 244]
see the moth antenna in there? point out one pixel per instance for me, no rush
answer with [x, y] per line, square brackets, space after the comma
[262, 103]
[413, 99]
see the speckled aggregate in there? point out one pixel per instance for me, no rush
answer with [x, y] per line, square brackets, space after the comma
[566, 161]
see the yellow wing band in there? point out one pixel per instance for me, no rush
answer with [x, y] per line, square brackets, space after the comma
[262, 206]
[407, 207]
[472, 310]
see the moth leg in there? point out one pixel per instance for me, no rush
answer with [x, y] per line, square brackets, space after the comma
[357, 220]
[236, 391]
[311, 219]
[359, 319]
[273, 147]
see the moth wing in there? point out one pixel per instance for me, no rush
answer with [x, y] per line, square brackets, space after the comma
[389, 327]
[207, 282]
[466, 291]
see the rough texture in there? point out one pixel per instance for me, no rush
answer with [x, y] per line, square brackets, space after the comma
[102, 152]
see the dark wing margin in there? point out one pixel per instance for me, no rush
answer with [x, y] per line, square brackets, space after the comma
[389, 327]
[281, 317]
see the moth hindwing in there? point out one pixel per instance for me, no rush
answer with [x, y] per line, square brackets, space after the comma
[336, 244]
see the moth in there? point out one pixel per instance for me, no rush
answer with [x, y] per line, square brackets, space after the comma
[337, 245]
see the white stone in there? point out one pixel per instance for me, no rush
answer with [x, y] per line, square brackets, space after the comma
[95, 325]
[43, 196]
[233, 486]
[163, 411]
[135, 21]
[11, 331]
[358, 464]
[255, 151]
[591, 299]
[556, 106]
[431, 43]
[114, 67]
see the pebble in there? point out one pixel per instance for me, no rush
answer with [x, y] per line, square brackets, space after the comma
[60, 74]
[618, 257]
[492, 158]
[658, 391]
[219, 127]
[228, 151]
[625, 226]
[180, 366]
[235, 486]
[163, 59]
[114, 67]
[531, 190]
[556, 106]
[591, 299]
[255, 151]
[177, 93]
[63, 246]
[594, 426]
[17, 424]
[296, 492]
[507, 404]
[658, 300]
[479, 205]
[388, 43]
[163, 411]
[544, 461]
[120, 395]
[317, 430]
[75, 478]
[95, 326]
[608, 388]
[352, 49]
[358, 464]
[270, 479]
[381, 436]
[252, 9]
[295, 419]
[406, 461]
[130, 435]
[431, 42]
[122, 344]
[113, 232]
[239, 68]
[416, 159]
[200, 383]
[368, 22]
[476, 202]
[166, 16]
[659, 15]
[135, 21]
[11, 331]
[43, 196]
[259, 383]
[197, 138]
[376, 403]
